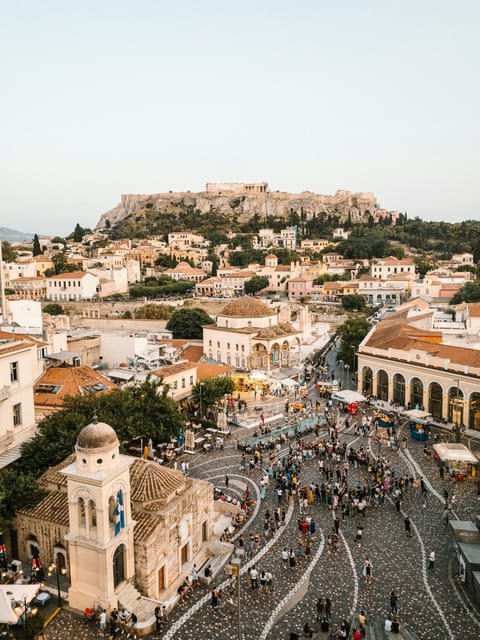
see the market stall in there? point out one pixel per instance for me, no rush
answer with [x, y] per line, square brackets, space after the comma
[458, 460]
[419, 423]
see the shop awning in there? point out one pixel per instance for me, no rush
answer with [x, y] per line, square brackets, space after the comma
[121, 374]
[417, 414]
[12, 599]
[348, 396]
[288, 382]
[454, 452]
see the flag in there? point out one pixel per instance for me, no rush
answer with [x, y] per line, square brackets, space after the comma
[121, 508]
[117, 519]
[3, 553]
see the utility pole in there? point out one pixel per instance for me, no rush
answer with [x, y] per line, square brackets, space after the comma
[2, 288]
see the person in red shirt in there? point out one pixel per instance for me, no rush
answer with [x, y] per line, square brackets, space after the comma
[356, 635]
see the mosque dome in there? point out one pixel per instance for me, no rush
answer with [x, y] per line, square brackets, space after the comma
[96, 436]
[247, 307]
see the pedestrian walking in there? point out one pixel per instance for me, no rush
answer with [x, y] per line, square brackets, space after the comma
[408, 531]
[393, 602]
[227, 480]
[367, 570]
[445, 515]
[320, 608]
[431, 559]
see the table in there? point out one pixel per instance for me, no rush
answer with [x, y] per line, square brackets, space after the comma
[42, 598]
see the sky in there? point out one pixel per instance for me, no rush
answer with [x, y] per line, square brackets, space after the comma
[111, 97]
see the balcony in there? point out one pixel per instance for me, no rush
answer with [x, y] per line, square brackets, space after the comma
[6, 440]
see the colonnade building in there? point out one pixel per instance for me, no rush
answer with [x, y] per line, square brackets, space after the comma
[413, 360]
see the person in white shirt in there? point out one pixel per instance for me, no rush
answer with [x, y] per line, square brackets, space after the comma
[388, 624]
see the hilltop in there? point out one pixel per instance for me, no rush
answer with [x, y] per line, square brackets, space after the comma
[238, 203]
[11, 235]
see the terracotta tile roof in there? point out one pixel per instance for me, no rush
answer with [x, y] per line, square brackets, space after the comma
[173, 369]
[193, 352]
[151, 482]
[146, 525]
[53, 509]
[52, 476]
[73, 275]
[72, 381]
[7, 335]
[212, 370]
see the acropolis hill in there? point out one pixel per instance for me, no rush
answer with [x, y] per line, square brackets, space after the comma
[247, 199]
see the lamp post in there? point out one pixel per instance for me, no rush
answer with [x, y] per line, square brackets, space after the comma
[347, 369]
[458, 435]
[236, 563]
[201, 399]
[341, 373]
[53, 569]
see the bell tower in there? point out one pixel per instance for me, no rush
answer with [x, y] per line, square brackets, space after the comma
[100, 534]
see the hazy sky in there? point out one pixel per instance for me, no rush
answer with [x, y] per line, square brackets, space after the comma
[105, 97]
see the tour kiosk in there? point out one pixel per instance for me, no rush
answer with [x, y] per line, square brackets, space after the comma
[459, 461]
[419, 422]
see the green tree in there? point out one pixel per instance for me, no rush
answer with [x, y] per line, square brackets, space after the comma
[188, 323]
[61, 264]
[256, 284]
[78, 233]
[353, 302]
[36, 249]
[154, 312]
[8, 252]
[16, 488]
[212, 390]
[351, 332]
[142, 410]
[470, 292]
[53, 309]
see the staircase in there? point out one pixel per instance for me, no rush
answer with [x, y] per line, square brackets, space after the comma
[130, 599]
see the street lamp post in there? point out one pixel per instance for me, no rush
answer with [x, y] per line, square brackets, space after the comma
[341, 373]
[53, 569]
[201, 400]
[347, 369]
[458, 435]
[236, 563]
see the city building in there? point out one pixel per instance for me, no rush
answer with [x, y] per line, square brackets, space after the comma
[73, 286]
[415, 361]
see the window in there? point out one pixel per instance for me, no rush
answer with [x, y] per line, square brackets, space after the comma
[191, 380]
[175, 384]
[17, 414]
[218, 345]
[183, 383]
[237, 362]
[229, 360]
[228, 345]
[243, 348]
[13, 371]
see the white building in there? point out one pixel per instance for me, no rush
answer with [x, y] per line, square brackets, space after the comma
[76, 285]
[386, 267]
[20, 365]
[248, 335]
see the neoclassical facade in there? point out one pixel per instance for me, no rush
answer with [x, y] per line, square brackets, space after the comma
[249, 335]
[122, 527]
[404, 361]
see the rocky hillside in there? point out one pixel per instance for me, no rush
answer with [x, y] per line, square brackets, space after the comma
[243, 202]
[11, 235]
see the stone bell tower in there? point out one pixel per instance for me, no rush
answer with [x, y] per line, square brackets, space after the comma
[100, 534]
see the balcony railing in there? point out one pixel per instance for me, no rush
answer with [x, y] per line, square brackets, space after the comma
[4, 393]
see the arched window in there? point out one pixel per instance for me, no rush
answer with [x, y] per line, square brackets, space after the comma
[455, 406]
[399, 389]
[474, 422]
[382, 385]
[367, 388]
[93, 513]
[81, 512]
[416, 394]
[111, 511]
[435, 396]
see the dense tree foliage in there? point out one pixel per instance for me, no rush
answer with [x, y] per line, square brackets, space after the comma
[36, 248]
[154, 312]
[256, 284]
[470, 292]
[212, 390]
[161, 287]
[53, 309]
[187, 323]
[8, 252]
[353, 302]
[351, 333]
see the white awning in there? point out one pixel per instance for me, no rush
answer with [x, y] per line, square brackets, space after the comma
[121, 374]
[12, 599]
[417, 414]
[454, 452]
[348, 396]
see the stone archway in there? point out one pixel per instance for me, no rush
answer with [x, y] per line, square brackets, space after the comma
[382, 385]
[435, 398]
[367, 384]
[416, 394]
[119, 565]
[474, 412]
[455, 405]
[275, 358]
[399, 389]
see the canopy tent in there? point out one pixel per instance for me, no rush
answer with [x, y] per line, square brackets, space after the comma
[12, 600]
[418, 414]
[348, 396]
[454, 452]
[288, 382]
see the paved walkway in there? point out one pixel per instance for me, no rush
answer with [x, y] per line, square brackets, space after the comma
[433, 604]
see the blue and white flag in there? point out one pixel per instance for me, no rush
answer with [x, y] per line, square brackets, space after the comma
[121, 508]
[117, 519]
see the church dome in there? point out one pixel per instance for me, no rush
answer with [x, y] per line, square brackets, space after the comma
[247, 307]
[96, 436]
[151, 482]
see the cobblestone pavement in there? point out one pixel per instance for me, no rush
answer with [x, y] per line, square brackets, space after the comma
[432, 603]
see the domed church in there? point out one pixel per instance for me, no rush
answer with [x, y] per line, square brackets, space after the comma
[123, 527]
[248, 334]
